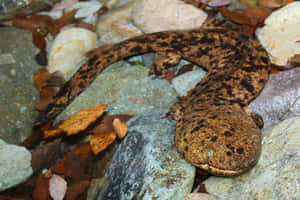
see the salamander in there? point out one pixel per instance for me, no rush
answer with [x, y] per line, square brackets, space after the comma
[215, 130]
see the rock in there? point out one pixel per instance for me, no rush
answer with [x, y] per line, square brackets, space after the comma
[183, 83]
[68, 49]
[113, 4]
[86, 11]
[171, 15]
[279, 99]
[276, 175]
[216, 3]
[17, 92]
[127, 90]
[147, 165]
[280, 34]
[116, 25]
[15, 165]
[198, 196]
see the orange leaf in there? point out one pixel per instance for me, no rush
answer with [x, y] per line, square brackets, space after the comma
[235, 17]
[100, 141]
[78, 122]
[24, 23]
[41, 77]
[120, 128]
[81, 120]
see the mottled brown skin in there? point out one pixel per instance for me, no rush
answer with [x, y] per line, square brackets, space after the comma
[214, 129]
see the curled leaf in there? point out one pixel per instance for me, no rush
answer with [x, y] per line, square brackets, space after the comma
[100, 141]
[235, 16]
[120, 128]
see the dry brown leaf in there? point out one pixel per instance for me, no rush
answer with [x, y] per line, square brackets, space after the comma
[270, 3]
[106, 125]
[41, 191]
[256, 15]
[46, 97]
[41, 77]
[75, 163]
[100, 141]
[77, 190]
[235, 16]
[81, 120]
[120, 128]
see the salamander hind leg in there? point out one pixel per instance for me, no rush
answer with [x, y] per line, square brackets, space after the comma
[162, 62]
[256, 117]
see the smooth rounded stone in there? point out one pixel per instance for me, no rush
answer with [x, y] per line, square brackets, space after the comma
[17, 92]
[279, 99]
[15, 165]
[171, 15]
[281, 34]
[276, 176]
[146, 165]
[127, 90]
[68, 49]
[183, 83]
[198, 196]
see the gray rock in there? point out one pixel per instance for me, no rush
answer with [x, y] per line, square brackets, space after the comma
[15, 165]
[276, 175]
[279, 99]
[127, 90]
[17, 92]
[147, 165]
[183, 83]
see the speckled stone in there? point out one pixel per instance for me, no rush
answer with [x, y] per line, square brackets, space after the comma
[15, 165]
[17, 92]
[127, 90]
[277, 173]
[198, 196]
[147, 165]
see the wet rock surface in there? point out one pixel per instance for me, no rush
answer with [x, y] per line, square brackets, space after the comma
[17, 92]
[15, 165]
[147, 165]
[276, 175]
[127, 90]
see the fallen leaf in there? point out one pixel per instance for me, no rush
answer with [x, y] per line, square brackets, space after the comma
[46, 97]
[41, 191]
[100, 141]
[235, 16]
[295, 60]
[105, 125]
[75, 164]
[270, 3]
[185, 68]
[67, 18]
[77, 190]
[57, 187]
[120, 128]
[82, 119]
[45, 155]
[38, 40]
[76, 123]
[41, 77]
[256, 15]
